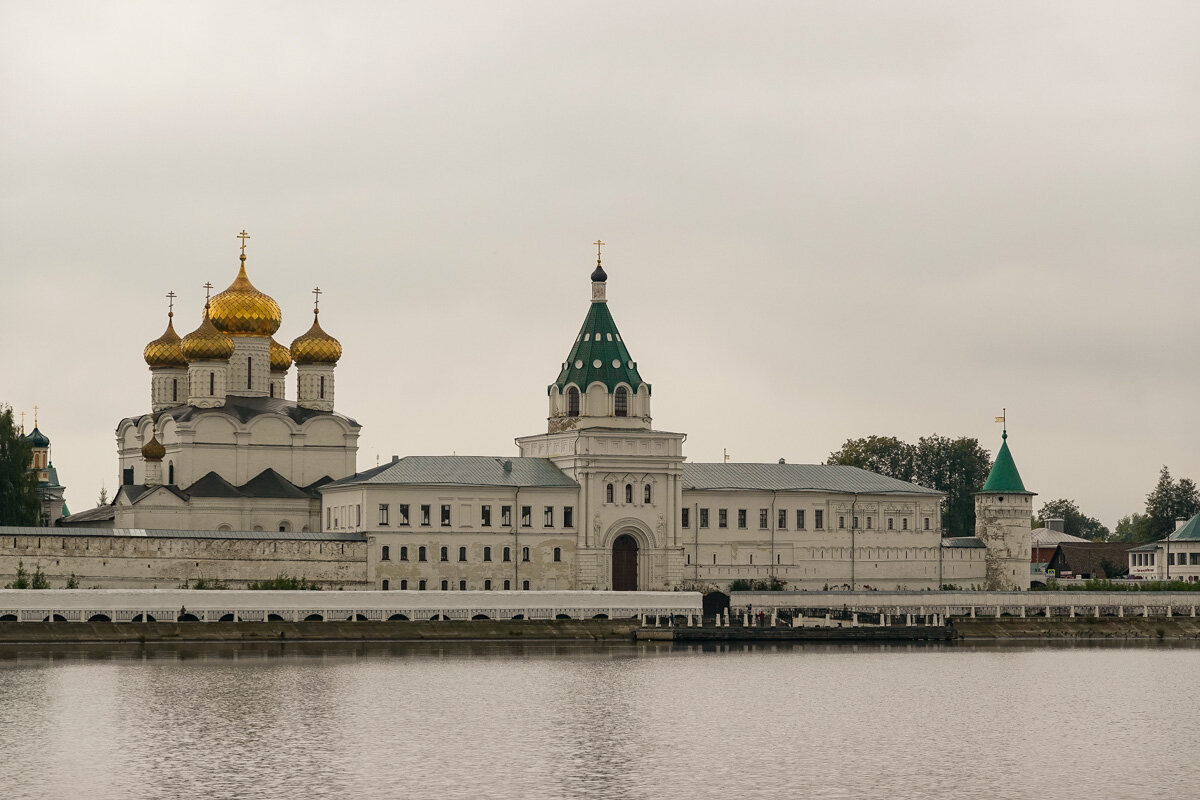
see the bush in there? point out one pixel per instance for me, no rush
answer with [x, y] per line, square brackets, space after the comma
[285, 582]
[205, 583]
[24, 580]
[747, 585]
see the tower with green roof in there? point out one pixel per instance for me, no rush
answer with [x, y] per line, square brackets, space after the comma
[599, 384]
[1003, 509]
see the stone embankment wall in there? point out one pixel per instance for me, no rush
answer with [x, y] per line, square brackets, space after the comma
[1079, 628]
[447, 630]
[159, 562]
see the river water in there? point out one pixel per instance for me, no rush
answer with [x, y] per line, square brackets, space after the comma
[591, 721]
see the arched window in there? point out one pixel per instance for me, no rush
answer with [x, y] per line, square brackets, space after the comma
[608, 494]
[445, 586]
[621, 402]
[525, 585]
[507, 556]
[462, 554]
[421, 556]
[507, 585]
[487, 586]
[558, 554]
[272, 388]
[403, 585]
[629, 493]
[385, 554]
[647, 493]
[224, 528]
[572, 402]
[445, 554]
[524, 553]
[249, 372]
[462, 586]
[170, 473]
[174, 389]
[285, 526]
[421, 586]
[212, 383]
[322, 387]
[385, 586]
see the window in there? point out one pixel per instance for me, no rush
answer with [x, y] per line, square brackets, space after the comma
[904, 524]
[608, 493]
[854, 523]
[927, 523]
[763, 518]
[385, 584]
[383, 513]
[444, 554]
[741, 518]
[421, 556]
[174, 390]
[799, 519]
[485, 516]
[722, 518]
[425, 515]
[686, 517]
[629, 493]
[703, 518]
[646, 494]
[568, 516]
[462, 586]
[487, 554]
[890, 525]
[752, 558]
[445, 586]
[385, 553]
[404, 513]
[328, 514]
[524, 553]
[558, 554]
[171, 474]
[548, 517]
[358, 515]
[869, 521]
[421, 585]
[445, 516]
[621, 402]
[507, 584]
[212, 383]
[506, 516]
[322, 387]
[782, 519]
[525, 585]
[462, 554]
[526, 516]
[487, 586]
[403, 586]
[507, 554]
[404, 553]
[272, 389]
[841, 522]
[818, 519]
[572, 402]
[249, 372]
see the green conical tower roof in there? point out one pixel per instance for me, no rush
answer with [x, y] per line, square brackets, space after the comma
[1004, 477]
[599, 353]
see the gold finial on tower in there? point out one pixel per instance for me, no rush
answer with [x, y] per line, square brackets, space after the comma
[243, 236]
[1003, 420]
[171, 303]
[598, 244]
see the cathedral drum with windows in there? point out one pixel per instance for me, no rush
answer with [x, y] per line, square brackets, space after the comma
[222, 447]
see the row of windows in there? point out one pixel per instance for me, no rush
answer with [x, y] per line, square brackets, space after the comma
[385, 554]
[1183, 560]
[609, 493]
[485, 516]
[462, 585]
[764, 518]
[620, 402]
[1143, 559]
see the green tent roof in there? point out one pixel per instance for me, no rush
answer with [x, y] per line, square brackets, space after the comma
[599, 355]
[1190, 532]
[1004, 476]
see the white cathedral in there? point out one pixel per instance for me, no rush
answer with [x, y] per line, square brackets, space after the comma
[601, 500]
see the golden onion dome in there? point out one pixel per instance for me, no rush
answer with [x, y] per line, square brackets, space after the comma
[242, 310]
[316, 346]
[206, 343]
[165, 350]
[281, 357]
[153, 449]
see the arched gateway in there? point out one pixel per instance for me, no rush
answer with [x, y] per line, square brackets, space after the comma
[624, 564]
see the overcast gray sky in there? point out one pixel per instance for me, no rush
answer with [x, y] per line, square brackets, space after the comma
[824, 220]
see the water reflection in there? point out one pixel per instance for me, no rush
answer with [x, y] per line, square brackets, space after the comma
[628, 721]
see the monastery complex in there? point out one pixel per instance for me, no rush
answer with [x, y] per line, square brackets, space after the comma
[224, 477]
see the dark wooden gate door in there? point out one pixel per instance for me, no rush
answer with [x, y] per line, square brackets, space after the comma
[624, 564]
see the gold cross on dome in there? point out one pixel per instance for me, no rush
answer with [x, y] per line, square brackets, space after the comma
[22, 422]
[35, 416]
[207, 289]
[171, 303]
[598, 244]
[317, 297]
[243, 236]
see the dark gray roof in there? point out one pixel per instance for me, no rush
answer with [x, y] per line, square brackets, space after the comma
[246, 408]
[314, 536]
[270, 483]
[267, 483]
[796, 477]
[213, 485]
[963, 541]
[461, 471]
[97, 514]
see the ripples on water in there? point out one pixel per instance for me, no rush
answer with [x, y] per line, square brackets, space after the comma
[583, 721]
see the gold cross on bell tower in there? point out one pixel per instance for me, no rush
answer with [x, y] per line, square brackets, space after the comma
[243, 236]
[171, 303]
[208, 287]
[317, 298]
[598, 244]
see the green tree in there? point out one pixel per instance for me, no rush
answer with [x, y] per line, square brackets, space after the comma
[959, 467]
[1170, 500]
[1133, 528]
[1075, 522]
[885, 455]
[19, 502]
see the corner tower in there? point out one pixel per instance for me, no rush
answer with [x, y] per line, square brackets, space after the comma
[599, 384]
[1003, 509]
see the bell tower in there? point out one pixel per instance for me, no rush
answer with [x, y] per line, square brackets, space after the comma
[1003, 509]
